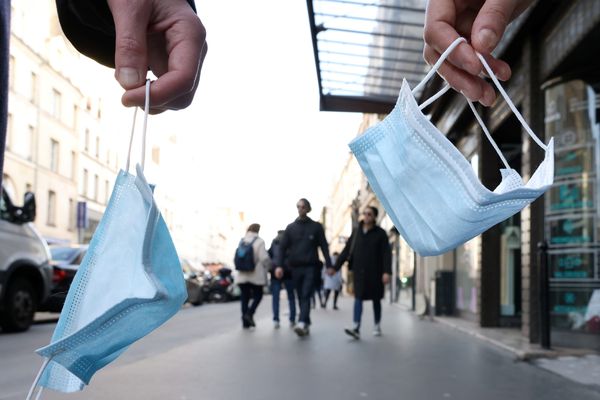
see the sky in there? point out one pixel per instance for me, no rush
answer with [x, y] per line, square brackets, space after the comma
[258, 140]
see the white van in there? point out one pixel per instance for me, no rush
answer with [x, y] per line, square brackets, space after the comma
[25, 271]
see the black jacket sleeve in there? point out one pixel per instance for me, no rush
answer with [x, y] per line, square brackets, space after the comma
[324, 246]
[89, 26]
[343, 257]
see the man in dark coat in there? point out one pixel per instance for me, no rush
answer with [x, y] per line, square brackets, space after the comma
[370, 258]
[301, 241]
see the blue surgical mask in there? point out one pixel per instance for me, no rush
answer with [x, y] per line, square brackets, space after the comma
[428, 188]
[129, 283]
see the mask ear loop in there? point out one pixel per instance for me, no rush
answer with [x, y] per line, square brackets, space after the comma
[146, 112]
[446, 87]
[36, 380]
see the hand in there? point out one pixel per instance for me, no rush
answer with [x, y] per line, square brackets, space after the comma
[385, 278]
[331, 271]
[278, 272]
[166, 37]
[482, 23]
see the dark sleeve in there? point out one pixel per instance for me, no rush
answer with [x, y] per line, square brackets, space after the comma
[324, 246]
[89, 26]
[386, 252]
[345, 253]
[283, 246]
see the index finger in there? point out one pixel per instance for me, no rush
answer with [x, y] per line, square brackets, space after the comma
[440, 32]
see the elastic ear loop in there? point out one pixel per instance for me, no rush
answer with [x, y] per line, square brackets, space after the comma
[446, 87]
[146, 112]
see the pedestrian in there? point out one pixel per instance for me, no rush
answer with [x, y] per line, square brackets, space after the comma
[370, 258]
[301, 241]
[286, 281]
[132, 37]
[482, 23]
[252, 280]
[332, 282]
[318, 287]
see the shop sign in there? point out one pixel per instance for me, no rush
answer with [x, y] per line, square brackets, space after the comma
[571, 230]
[574, 161]
[571, 196]
[572, 265]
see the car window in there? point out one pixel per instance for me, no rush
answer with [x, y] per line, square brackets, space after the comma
[80, 256]
[63, 253]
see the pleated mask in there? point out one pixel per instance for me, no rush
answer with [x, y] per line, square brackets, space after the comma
[128, 284]
[427, 187]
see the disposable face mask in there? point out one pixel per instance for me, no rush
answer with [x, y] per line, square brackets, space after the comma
[428, 188]
[129, 283]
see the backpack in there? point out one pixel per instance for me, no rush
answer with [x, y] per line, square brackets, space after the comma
[244, 256]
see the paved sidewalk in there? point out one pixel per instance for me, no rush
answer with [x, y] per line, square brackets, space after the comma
[579, 365]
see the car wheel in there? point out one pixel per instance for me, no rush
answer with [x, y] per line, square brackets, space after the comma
[20, 307]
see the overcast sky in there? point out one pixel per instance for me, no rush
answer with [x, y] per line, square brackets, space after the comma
[255, 126]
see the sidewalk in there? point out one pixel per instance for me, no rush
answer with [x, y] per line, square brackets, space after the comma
[579, 365]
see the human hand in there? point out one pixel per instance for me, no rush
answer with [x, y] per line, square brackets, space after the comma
[166, 37]
[385, 278]
[278, 272]
[331, 271]
[482, 23]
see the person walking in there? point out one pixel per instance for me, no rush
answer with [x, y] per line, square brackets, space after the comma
[332, 283]
[370, 258]
[286, 281]
[301, 240]
[252, 263]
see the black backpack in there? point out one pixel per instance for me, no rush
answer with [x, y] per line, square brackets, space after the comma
[244, 256]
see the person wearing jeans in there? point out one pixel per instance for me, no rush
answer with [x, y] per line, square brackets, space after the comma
[251, 282]
[299, 246]
[276, 284]
[370, 258]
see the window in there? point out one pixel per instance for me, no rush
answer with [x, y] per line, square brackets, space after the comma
[84, 189]
[9, 134]
[97, 146]
[96, 183]
[11, 71]
[106, 191]
[51, 220]
[56, 103]
[29, 143]
[73, 164]
[33, 87]
[75, 116]
[54, 154]
[86, 142]
[71, 215]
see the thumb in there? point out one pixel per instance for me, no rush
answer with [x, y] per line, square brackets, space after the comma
[490, 24]
[131, 19]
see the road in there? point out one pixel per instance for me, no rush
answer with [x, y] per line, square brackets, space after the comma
[202, 353]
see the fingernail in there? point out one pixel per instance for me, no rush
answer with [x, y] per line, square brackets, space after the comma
[128, 77]
[487, 38]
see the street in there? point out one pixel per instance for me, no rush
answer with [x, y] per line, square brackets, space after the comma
[203, 353]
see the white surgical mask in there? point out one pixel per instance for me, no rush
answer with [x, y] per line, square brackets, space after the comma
[428, 188]
[128, 284]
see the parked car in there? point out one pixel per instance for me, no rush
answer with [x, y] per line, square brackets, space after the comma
[193, 283]
[65, 261]
[25, 271]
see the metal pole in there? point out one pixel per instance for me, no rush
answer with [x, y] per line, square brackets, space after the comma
[414, 281]
[544, 285]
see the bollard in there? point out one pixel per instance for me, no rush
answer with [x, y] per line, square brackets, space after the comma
[544, 285]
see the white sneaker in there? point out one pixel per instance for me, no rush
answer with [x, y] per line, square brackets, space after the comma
[276, 324]
[377, 330]
[301, 329]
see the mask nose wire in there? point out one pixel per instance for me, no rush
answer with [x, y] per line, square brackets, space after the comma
[146, 112]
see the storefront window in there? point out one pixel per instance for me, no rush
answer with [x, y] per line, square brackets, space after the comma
[572, 210]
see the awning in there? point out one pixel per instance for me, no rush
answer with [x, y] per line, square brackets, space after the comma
[364, 49]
